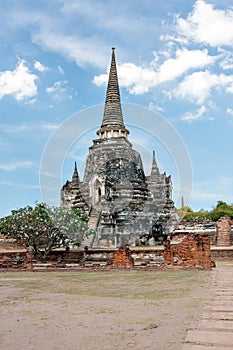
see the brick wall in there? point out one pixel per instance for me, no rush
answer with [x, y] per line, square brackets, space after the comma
[122, 258]
[223, 232]
[222, 253]
[188, 250]
[211, 228]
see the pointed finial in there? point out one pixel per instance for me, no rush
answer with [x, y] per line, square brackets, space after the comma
[75, 177]
[154, 168]
[113, 91]
[112, 110]
[153, 155]
[182, 202]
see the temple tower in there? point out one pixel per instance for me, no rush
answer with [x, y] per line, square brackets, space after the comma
[122, 203]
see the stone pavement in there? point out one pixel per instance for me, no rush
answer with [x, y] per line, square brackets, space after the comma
[215, 328]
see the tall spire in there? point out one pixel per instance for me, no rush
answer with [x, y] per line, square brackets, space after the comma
[112, 118]
[154, 168]
[75, 177]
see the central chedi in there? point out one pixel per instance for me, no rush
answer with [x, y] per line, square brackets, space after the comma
[122, 203]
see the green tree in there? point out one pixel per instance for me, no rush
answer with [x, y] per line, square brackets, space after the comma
[196, 215]
[220, 210]
[45, 228]
[187, 214]
[182, 211]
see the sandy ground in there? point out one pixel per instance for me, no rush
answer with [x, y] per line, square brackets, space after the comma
[100, 310]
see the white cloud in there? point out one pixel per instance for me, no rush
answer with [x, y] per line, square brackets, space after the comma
[16, 165]
[18, 129]
[31, 102]
[185, 60]
[14, 129]
[154, 107]
[58, 89]
[136, 79]
[49, 174]
[40, 67]
[6, 183]
[107, 17]
[30, 187]
[230, 111]
[212, 105]
[172, 40]
[229, 88]
[48, 126]
[62, 33]
[189, 116]
[20, 83]
[60, 70]
[81, 50]
[197, 86]
[208, 25]
[139, 79]
[226, 59]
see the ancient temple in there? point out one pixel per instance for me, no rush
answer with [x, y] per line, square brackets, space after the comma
[121, 201]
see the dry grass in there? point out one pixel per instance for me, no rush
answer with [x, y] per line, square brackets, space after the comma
[146, 285]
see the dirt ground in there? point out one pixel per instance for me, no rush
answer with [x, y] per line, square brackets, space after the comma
[100, 310]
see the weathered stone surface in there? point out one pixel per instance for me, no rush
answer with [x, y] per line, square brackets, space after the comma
[126, 202]
[71, 195]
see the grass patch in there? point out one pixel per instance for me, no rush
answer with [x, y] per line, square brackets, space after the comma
[146, 285]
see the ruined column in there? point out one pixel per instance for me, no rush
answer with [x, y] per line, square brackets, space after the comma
[223, 227]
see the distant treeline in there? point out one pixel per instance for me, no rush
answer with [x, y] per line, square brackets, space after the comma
[220, 210]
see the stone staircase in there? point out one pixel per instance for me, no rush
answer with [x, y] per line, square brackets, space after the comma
[92, 224]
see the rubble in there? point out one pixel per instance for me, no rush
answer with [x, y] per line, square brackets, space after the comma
[188, 249]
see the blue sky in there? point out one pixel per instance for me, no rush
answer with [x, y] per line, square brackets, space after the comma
[174, 58]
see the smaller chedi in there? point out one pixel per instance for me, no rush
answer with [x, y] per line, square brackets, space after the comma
[122, 202]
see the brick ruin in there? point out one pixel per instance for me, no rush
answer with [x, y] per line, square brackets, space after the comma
[188, 250]
[220, 232]
[191, 245]
[122, 258]
[183, 250]
[18, 260]
[223, 232]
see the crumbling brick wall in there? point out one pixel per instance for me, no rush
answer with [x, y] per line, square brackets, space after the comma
[223, 226]
[122, 258]
[188, 250]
